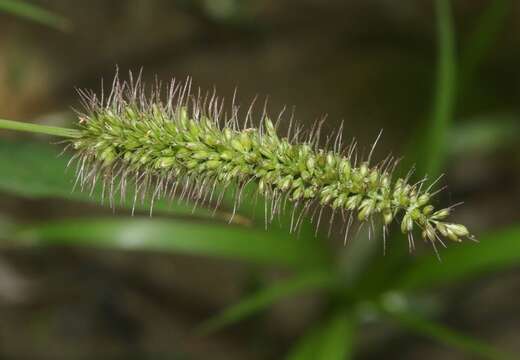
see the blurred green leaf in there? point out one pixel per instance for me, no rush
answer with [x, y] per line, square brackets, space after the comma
[35, 13]
[496, 250]
[262, 299]
[332, 341]
[484, 134]
[35, 170]
[307, 347]
[446, 336]
[482, 39]
[199, 238]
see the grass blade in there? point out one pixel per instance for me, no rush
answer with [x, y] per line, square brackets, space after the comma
[446, 335]
[35, 13]
[331, 341]
[197, 238]
[496, 251]
[482, 39]
[305, 282]
[484, 134]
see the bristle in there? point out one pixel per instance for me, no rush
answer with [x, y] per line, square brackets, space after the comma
[189, 146]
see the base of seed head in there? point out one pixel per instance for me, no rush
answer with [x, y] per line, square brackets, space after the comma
[185, 145]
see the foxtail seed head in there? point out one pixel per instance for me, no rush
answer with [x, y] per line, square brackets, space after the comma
[186, 145]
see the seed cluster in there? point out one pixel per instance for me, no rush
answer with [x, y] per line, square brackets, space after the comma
[187, 146]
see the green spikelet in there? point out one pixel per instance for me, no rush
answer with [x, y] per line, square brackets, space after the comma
[186, 146]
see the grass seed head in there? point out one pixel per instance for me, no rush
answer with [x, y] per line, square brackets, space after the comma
[184, 145]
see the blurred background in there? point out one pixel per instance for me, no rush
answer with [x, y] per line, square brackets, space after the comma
[441, 78]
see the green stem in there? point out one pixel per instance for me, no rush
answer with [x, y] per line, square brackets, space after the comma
[445, 96]
[41, 129]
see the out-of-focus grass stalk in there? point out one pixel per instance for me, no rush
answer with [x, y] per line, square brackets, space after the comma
[445, 93]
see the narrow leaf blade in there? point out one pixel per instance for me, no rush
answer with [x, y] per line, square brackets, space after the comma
[480, 42]
[35, 13]
[189, 237]
[496, 251]
[447, 336]
[305, 282]
[332, 341]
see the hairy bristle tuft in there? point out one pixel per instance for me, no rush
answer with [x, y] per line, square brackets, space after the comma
[186, 145]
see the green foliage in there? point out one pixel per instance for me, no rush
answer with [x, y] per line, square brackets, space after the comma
[484, 134]
[496, 250]
[482, 38]
[447, 336]
[190, 237]
[35, 13]
[306, 281]
[333, 340]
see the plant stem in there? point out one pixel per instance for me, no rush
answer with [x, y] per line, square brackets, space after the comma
[446, 91]
[41, 129]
